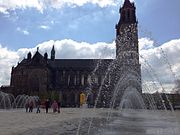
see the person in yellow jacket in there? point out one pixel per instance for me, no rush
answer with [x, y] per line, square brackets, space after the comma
[82, 98]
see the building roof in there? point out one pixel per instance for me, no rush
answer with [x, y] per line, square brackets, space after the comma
[40, 61]
[69, 63]
[76, 63]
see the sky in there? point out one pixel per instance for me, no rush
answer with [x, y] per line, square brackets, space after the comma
[86, 29]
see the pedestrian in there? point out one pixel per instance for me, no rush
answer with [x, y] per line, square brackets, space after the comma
[59, 105]
[27, 106]
[38, 104]
[31, 105]
[47, 105]
[54, 106]
[88, 101]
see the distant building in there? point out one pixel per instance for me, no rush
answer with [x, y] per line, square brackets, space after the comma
[67, 78]
[162, 100]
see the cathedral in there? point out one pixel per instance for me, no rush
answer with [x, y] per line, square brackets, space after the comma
[66, 79]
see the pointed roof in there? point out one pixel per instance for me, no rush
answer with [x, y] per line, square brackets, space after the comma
[128, 4]
[29, 53]
[53, 50]
[37, 55]
[38, 60]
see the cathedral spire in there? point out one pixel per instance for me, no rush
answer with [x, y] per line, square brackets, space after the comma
[126, 29]
[127, 13]
[45, 56]
[127, 2]
[53, 53]
[29, 55]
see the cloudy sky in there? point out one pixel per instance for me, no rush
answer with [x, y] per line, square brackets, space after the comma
[86, 29]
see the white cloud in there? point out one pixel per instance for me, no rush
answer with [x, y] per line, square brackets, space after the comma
[25, 32]
[20, 4]
[6, 5]
[145, 43]
[160, 61]
[8, 59]
[45, 27]
[68, 48]
[3, 10]
[101, 3]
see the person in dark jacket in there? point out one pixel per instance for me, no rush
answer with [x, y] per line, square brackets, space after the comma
[38, 104]
[27, 106]
[47, 105]
[31, 106]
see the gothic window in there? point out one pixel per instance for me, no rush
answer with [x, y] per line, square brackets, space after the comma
[78, 78]
[71, 78]
[68, 80]
[128, 14]
[75, 79]
[123, 15]
[82, 79]
[85, 79]
[89, 79]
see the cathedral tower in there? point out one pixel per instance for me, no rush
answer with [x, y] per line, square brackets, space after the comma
[127, 50]
[127, 35]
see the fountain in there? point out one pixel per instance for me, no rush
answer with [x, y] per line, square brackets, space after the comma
[8, 101]
[129, 111]
[133, 112]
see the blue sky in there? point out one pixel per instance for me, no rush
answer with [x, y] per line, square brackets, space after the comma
[28, 26]
[86, 29]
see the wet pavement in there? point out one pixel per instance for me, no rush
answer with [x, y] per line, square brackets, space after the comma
[131, 122]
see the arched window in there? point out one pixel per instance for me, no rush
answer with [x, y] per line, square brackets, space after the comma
[128, 14]
[123, 15]
[82, 79]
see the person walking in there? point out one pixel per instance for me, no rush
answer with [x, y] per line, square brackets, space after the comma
[27, 106]
[59, 105]
[31, 105]
[38, 106]
[54, 106]
[47, 105]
